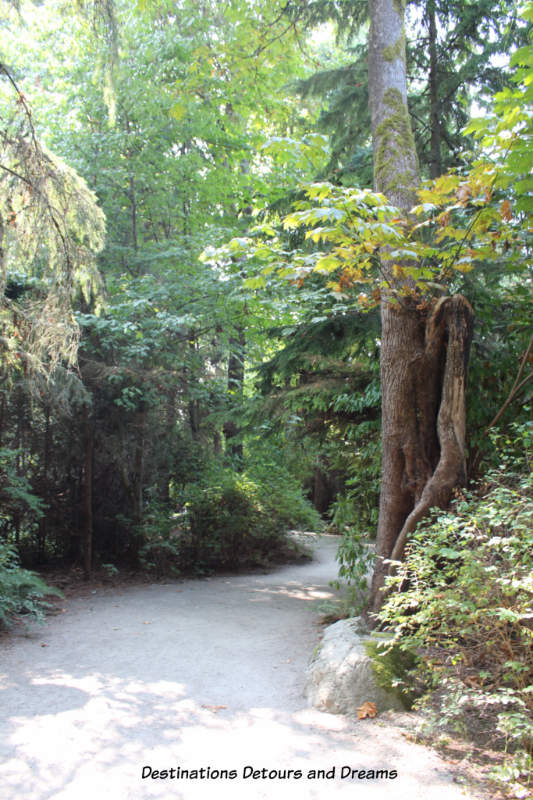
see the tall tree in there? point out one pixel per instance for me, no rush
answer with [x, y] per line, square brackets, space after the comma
[454, 55]
[424, 342]
[50, 229]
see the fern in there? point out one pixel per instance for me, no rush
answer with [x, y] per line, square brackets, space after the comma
[21, 592]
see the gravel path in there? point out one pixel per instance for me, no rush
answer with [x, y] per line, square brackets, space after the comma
[202, 676]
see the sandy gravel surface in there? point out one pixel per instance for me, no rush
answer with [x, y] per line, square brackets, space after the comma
[202, 676]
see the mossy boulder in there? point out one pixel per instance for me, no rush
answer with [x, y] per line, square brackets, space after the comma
[340, 676]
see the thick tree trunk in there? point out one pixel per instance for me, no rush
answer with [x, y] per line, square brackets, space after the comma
[423, 373]
[449, 332]
[424, 345]
[193, 405]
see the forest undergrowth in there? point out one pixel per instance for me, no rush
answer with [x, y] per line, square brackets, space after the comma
[460, 609]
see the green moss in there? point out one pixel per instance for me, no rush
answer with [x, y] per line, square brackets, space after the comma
[395, 140]
[396, 50]
[393, 669]
[399, 5]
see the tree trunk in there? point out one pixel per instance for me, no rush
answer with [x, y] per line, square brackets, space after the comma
[87, 531]
[133, 212]
[2, 416]
[44, 484]
[235, 394]
[138, 482]
[424, 345]
[166, 447]
[2, 255]
[435, 159]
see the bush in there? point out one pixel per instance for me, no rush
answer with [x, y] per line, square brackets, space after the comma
[278, 492]
[235, 523]
[465, 610]
[21, 591]
[17, 501]
[162, 541]
[228, 521]
[226, 527]
[354, 554]
[354, 514]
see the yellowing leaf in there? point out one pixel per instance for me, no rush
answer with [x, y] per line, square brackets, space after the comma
[444, 218]
[397, 271]
[327, 264]
[506, 211]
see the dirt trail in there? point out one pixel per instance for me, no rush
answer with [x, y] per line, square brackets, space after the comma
[194, 674]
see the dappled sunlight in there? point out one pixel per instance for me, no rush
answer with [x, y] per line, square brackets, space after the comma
[294, 591]
[126, 725]
[192, 675]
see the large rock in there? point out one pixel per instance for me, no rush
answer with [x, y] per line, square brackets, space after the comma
[340, 678]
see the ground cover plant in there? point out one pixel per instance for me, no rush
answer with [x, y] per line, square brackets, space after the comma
[462, 604]
[22, 593]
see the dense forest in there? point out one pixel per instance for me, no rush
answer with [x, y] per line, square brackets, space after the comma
[267, 266]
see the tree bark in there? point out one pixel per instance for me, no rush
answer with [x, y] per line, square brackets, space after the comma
[424, 343]
[44, 484]
[165, 454]
[87, 532]
[138, 482]
[2, 255]
[434, 120]
[235, 394]
[395, 159]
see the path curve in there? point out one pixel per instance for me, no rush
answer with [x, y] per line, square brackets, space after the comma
[193, 674]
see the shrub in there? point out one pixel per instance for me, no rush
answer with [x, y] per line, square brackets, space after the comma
[354, 514]
[231, 525]
[17, 501]
[162, 537]
[21, 591]
[278, 492]
[465, 611]
[228, 521]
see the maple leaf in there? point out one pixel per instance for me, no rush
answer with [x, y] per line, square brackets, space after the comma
[368, 709]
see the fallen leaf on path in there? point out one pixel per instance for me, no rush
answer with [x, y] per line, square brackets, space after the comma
[214, 709]
[367, 710]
